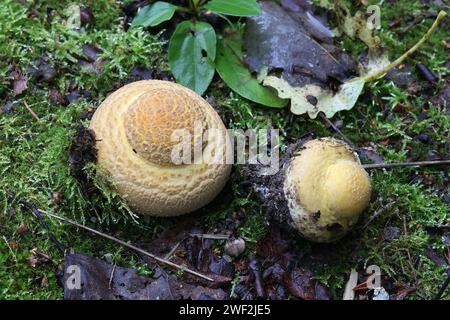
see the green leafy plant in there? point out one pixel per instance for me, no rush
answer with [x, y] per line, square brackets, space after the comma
[192, 52]
[233, 71]
[195, 51]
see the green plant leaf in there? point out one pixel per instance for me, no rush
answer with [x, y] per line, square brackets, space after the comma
[238, 8]
[192, 52]
[229, 65]
[152, 15]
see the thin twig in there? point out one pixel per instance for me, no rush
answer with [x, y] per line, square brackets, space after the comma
[31, 111]
[130, 246]
[216, 236]
[379, 74]
[421, 295]
[405, 164]
[378, 212]
[172, 251]
[405, 231]
[405, 228]
[10, 249]
[210, 236]
[416, 21]
[335, 128]
[111, 276]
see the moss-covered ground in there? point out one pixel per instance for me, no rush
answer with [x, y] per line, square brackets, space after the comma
[34, 154]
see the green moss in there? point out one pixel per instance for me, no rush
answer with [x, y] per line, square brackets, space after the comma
[33, 157]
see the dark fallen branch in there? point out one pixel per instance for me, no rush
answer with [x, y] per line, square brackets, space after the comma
[255, 269]
[443, 288]
[125, 244]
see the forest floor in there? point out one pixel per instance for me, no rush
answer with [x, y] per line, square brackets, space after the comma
[53, 70]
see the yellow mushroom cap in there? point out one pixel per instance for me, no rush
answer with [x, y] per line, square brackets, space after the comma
[135, 128]
[327, 189]
[151, 120]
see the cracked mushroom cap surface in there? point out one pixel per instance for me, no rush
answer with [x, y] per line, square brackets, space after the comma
[142, 130]
[326, 189]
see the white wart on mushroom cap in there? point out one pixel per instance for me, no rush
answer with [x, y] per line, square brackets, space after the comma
[134, 129]
[326, 189]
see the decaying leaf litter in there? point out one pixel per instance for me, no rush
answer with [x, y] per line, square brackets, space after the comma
[310, 69]
[255, 282]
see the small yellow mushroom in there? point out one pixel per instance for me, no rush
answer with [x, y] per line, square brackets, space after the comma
[135, 127]
[326, 189]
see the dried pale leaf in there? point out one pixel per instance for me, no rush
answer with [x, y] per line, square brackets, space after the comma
[20, 85]
[327, 102]
[377, 61]
[356, 26]
[349, 294]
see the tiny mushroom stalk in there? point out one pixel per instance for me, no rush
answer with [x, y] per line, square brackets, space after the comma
[320, 190]
[163, 146]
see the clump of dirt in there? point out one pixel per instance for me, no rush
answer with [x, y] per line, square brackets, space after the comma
[270, 188]
[82, 152]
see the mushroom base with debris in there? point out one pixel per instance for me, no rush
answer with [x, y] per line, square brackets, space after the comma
[320, 190]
